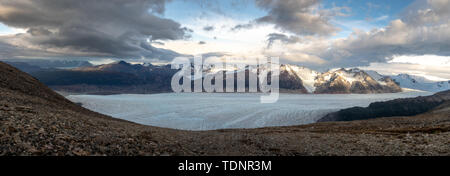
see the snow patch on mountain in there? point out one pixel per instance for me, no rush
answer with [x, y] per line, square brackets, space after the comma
[420, 83]
[349, 75]
[377, 77]
[307, 76]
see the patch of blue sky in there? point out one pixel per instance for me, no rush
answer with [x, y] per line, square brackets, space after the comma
[5, 30]
[365, 14]
[183, 10]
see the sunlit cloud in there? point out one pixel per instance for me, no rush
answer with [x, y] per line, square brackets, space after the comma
[429, 60]
[430, 72]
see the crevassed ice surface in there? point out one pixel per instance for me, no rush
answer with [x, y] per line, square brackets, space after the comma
[207, 111]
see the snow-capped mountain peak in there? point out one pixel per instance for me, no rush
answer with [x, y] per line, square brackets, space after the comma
[307, 75]
[420, 83]
[355, 81]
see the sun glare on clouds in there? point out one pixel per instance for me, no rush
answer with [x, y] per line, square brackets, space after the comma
[432, 67]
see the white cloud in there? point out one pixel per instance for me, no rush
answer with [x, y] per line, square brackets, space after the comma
[382, 18]
[429, 60]
[431, 72]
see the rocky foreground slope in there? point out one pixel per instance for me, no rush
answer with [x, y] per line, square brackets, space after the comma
[36, 121]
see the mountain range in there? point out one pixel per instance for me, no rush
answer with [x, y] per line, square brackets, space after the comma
[123, 77]
[114, 78]
[421, 83]
[24, 64]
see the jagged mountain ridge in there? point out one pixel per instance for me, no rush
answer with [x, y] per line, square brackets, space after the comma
[149, 77]
[49, 63]
[353, 81]
[293, 77]
[115, 78]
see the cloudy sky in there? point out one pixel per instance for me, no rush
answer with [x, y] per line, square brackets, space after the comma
[389, 36]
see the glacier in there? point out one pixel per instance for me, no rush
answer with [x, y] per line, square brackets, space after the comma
[209, 111]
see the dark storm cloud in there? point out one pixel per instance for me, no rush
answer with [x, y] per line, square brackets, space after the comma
[301, 17]
[39, 31]
[296, 16]
[208, 28]
[272, 37]
[110, 27]
[243, 26]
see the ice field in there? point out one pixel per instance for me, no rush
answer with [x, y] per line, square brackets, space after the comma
[207, 111]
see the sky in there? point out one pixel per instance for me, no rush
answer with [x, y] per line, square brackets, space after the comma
[388, 36]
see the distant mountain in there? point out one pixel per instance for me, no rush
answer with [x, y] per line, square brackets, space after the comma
[353, 81]
[397, 107]
[120, 66]
[113, 78]
[25, 67]
[45, 64]
[305, 75]
[123, 77]
[420, 83]
[305, 80]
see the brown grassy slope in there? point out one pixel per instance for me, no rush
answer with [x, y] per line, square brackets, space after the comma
[36, 121]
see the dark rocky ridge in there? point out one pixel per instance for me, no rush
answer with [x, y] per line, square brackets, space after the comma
[291, 82]
[13, 79]
[25, 67]
[397, 107]
[45, 63]
[115, 78]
